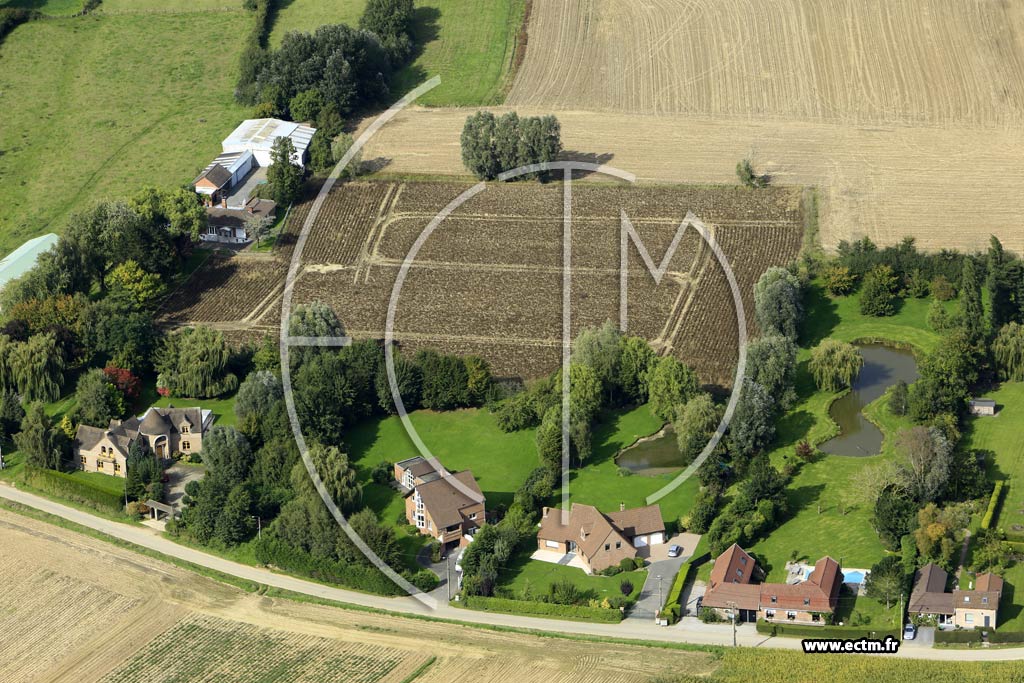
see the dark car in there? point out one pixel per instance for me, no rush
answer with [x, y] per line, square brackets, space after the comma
[675, 551]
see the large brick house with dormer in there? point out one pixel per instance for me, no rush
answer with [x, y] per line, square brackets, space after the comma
[449, 511]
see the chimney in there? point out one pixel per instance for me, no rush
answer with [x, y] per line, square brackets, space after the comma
[622, 507]
[223, 202]
[544, 512]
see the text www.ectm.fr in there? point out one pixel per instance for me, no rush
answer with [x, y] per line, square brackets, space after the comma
[858, 646]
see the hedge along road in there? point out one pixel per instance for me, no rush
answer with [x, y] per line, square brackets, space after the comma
[701, 634]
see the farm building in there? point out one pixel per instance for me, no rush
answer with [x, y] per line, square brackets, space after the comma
[982, 406]
[223, 173]
[258, 135]
[22, 259]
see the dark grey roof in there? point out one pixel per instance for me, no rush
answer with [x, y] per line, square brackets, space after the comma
[154, 422]
[987, 402]
[929, 594]
[216, 174]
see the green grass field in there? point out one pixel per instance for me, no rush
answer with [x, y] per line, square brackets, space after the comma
[166, 6]
[54, 8]
[469, 43]
[1002, 435]
[99, 106]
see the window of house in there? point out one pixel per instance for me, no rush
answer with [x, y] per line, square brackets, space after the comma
[739, 572]
[84, 461]
[407, 479]
[967, 598]
[185, 445]
[607, 546]
[117, 467]
[420, 520]
[969, 618]
[184, 429]
[618, 544]
[769, 614]
[807, 601]
[430, 525]
[984, 600]
[775, 599]
[791, 615]
[743, 561]
[815, 617]
[472, 515]
[99, 464]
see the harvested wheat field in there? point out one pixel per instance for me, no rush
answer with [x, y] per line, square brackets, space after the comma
[948, 187]
[489, 279]
[75, 609]
[850, 61]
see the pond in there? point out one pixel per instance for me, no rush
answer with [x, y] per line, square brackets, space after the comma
[884, 366]
[652, 455]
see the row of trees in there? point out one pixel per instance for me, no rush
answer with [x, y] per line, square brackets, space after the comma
[491, 145]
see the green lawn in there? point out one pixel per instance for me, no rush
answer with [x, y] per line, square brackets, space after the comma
[821, 521]
[531, 579]
[56, 8]
[165, 6]
[99, 106]
[1002, 436]
[598, 482]
[306, 15]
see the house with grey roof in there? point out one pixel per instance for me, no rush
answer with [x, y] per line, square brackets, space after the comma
[165, 431]
[978, 606]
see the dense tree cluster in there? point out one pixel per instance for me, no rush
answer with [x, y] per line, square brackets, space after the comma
[491, 145]
[778, 303]
[195, 362]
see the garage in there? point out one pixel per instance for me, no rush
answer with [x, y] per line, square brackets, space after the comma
[645, 540]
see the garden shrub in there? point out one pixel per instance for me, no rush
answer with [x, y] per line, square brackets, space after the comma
[543, 609]
[810, 631]
[62, 485]
[274, 552]
[1006, 637]
[993, 506]
[958, 636]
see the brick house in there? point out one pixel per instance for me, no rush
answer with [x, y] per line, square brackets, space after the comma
[733, 586]
[958, 608]
[166, 431]
[601, 540]
[437, 507]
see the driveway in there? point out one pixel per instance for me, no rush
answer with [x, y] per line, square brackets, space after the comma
[660, 564]
[442, 592]
[178, 477]
[925, 638]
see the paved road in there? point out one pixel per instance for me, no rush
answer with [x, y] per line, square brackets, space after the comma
[747, 636]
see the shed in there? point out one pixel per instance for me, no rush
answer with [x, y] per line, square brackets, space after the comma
[224, 172]
[22, 259]
[983, 406]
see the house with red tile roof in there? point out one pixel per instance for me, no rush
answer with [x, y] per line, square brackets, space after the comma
[733, 587]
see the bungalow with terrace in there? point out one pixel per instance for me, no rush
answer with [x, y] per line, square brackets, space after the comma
[733, 590]
[958, 608]
[448, 511]
[166, 431]
[600, 540]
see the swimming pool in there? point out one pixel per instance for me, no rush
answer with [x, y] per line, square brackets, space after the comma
[855, 576]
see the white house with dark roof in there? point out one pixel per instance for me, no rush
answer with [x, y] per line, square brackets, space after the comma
[166, 431]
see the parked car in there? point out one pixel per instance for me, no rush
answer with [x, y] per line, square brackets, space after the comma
[909, 632]
[675, 551]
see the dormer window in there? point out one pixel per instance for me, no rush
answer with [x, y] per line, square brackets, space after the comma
[807, 601]
[984, 600]
[775, 599]
[184, 429]
[967, 598]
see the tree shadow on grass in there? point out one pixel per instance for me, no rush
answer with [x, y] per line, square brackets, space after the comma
[820, 317]
[793, 428]
[1009, 608]
[425, 30]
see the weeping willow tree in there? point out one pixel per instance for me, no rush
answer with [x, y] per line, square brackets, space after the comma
[194, 363]
[36, 367]
[7, 381]
[835, 364]
[1008, 350]
[338, 476]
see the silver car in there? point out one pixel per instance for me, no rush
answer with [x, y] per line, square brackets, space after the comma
[675, 551]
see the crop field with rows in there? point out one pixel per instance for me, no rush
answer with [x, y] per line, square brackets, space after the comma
[205, 648]
[489, 279]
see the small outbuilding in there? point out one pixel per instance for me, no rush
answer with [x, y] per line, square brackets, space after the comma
[982, 406]
[22, 259]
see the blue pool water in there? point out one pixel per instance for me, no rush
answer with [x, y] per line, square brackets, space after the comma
[849, 576]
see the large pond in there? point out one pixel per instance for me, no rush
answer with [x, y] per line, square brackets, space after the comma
[652, 455]
[884, 366]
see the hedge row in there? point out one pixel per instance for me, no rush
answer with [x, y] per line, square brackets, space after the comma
[1006, 636]
[271, 551]
[672, 609]
[991, 514]
[62, 485]
[958, 636]
[543, 609]
[807, 631]
[254, 53]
